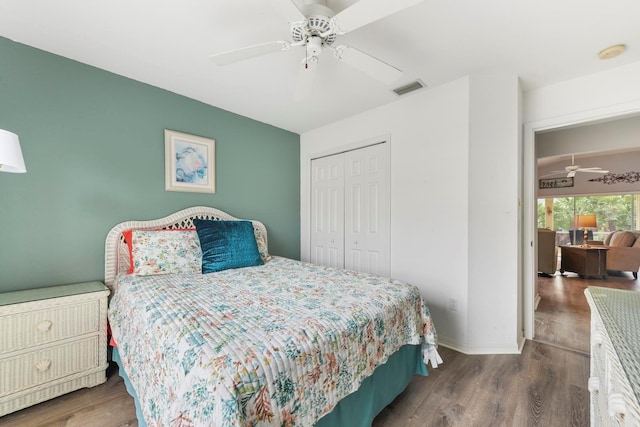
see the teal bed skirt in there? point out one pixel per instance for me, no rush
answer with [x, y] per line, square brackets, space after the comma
[357, 409]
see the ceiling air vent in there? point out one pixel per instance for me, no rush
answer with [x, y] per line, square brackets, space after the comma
[403, 90]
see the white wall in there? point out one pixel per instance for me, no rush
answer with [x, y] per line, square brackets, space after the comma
[599, 95]
[438, 179]
[494, 190]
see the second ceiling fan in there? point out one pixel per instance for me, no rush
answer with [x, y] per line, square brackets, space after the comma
[315, 27]
[573, 168]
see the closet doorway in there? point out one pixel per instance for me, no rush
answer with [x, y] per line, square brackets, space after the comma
[350, 210]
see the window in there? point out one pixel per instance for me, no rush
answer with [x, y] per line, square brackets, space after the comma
[613, 212]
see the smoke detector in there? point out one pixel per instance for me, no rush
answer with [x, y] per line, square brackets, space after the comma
[612, 51]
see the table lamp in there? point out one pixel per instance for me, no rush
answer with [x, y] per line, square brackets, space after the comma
[586, 222]
[10, 154]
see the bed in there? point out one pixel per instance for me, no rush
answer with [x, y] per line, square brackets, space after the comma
[209, 338]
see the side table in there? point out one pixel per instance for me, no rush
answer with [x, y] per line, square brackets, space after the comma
[52, 341]
[585, 260]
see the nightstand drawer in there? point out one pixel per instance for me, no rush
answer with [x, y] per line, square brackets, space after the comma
[34, 368]
[40, 326]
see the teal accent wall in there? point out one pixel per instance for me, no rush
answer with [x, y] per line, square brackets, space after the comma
[93, 144]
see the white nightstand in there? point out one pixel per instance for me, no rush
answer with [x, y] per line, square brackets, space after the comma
[52, 341]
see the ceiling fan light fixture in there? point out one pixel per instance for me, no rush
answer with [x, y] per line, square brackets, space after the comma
[314, 46]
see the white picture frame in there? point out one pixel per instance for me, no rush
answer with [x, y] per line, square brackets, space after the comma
[189, 162]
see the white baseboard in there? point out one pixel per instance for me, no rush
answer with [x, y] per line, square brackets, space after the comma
[483, 350]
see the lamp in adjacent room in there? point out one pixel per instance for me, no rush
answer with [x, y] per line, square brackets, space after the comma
[585, 222]
[10, 153]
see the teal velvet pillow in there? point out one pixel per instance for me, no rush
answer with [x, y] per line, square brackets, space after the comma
[227, 244]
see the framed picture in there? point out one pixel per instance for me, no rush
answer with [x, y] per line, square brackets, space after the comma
[556, 183]
[189, 162]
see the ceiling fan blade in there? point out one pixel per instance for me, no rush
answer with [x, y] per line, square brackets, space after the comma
[571, 174]
[376, 68]
[288, 9]
[248, 52]
[593, 170]
[366, 11]
[306, 77]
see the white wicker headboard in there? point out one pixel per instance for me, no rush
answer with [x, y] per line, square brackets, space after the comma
[116, 253]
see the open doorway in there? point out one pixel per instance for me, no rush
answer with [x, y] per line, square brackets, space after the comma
[533, 132]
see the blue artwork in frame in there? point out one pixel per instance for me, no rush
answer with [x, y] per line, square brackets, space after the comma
[189, 162]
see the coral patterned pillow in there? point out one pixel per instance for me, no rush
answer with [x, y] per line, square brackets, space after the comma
[127, 239]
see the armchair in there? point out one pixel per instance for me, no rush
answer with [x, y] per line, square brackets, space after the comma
[547, 252]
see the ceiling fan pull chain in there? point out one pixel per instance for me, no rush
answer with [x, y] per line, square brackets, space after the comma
[306, 57]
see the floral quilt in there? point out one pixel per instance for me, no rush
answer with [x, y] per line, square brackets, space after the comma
[277, 344]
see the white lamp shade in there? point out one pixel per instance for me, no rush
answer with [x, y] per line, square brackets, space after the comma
[10, 154]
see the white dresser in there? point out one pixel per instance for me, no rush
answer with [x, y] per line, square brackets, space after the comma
[614, 383]
[52, 341]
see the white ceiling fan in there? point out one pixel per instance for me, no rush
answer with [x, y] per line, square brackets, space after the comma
[315, 27]
[573, 168]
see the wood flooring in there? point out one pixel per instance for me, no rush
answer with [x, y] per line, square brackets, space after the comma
[106, 405]
[563, 316]
[546, 385]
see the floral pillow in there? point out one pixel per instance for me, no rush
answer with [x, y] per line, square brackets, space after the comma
[165, 252]
[261, 240]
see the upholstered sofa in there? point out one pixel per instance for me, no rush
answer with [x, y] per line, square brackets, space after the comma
[624, 251]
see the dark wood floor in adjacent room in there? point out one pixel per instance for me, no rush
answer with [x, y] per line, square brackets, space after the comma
[544, 386]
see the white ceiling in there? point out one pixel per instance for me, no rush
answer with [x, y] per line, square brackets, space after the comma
[167, 43]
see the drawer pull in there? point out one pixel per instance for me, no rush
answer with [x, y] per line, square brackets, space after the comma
[594, 384]
[44, 326]
[616, 405]
[43, 365]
